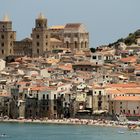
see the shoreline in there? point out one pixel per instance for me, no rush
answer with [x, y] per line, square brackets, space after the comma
[86, 122]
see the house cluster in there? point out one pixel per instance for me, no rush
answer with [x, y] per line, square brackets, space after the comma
[54, 75]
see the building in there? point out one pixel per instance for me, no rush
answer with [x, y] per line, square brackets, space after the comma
[40, 37]
[23, 47]
[7, 37]
[73, 37]
[76, 37]
[100, 102]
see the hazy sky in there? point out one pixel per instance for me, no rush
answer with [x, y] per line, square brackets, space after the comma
[106, 20]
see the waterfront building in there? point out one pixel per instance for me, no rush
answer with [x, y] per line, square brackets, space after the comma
[100, 102]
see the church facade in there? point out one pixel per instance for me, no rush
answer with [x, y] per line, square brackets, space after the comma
[72, 36]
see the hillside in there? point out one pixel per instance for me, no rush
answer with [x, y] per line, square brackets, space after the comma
[129, 40]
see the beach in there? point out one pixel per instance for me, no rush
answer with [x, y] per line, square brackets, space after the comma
[103, 123]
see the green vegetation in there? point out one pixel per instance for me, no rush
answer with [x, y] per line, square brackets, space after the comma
[93, 50]
[129, 40]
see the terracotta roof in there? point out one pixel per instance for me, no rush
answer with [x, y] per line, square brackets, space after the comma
[73, 25]
[125, 85]
[22, 83]
[127, 98]
[36, 88]
[57, 27]
[130, 90]
[67, 67]
[113, 91]
[129, 59]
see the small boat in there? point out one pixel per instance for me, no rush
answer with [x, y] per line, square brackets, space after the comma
[121, 132]
[132, 127]
[3, 135]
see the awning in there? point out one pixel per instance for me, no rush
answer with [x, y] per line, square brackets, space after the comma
[99, 111]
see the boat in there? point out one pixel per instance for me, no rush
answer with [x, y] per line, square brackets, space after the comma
[120, 132]
[132, 126]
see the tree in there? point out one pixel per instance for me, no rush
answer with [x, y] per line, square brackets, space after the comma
[93, 50]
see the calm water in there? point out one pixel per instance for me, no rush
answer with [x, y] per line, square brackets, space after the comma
[17, 131]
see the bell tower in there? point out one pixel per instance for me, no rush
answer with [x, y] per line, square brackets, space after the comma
[40, 37]
[7, 37]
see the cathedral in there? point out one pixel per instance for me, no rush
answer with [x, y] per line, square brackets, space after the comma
[73, 37]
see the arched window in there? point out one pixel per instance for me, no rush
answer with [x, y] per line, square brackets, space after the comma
[76, 46]
[37, 51]
[37, 43]
[2, 36]
[67, 44]
[37, 36]
[85, 44]
[2, 51]
[81, 44]
[2, 44]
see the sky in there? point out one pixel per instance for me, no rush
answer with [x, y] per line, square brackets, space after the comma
[106, 20]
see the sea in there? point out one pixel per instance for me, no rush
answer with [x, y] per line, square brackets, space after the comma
[30, 131]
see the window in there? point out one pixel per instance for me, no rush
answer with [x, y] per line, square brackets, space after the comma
[2, 44]
[37, 96]
[10, 43]
[37, 51]
[54, 107]
[46, 36]
[43, 96]
[11, 36]
[123, 111]
[54, 96]
[67, 44]
[93, 57]
[134, 111]
[99, 57]
[25, 96]
[2, 36]
[85, 44]
[75, 44]
[81, 44]
[47, 96]
[37, 43]
[46, 43]
[2, 51]
[38, 25]
[37, 36]
[100, 92]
